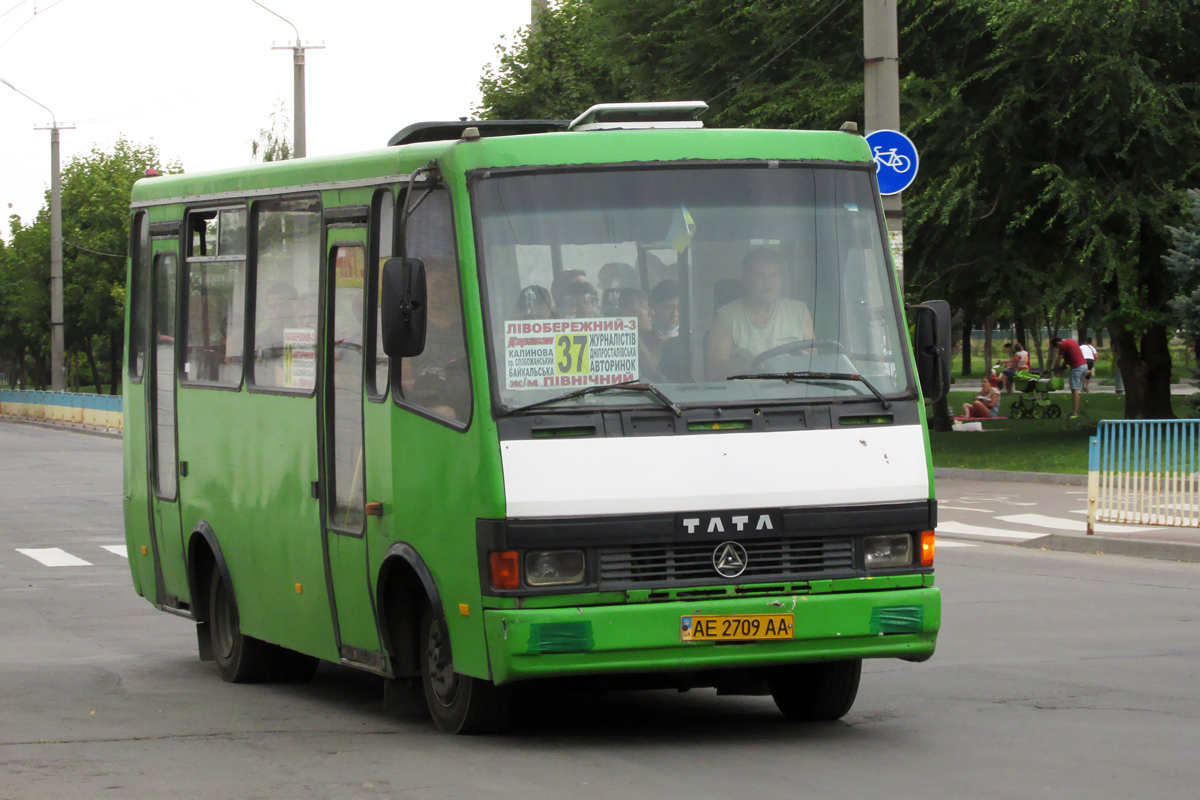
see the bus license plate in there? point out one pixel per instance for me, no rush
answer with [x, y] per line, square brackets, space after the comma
[736, 627]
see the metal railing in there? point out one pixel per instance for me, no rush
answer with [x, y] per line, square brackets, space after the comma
[101, 412]
[1145, 472]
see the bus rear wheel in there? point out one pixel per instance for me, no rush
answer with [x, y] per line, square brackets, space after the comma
[458, 703]
[821, 692]
[240, 658]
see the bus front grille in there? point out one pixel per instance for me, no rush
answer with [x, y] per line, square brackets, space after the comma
[646, 566]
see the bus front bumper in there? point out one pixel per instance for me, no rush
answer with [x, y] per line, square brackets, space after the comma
[645, 637]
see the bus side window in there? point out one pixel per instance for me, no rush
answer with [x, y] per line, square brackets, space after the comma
[438, 380]
[383, 248]
[139, 296]
[286, 283]
[216, 297]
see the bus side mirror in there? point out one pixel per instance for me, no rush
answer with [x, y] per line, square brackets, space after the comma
[403, 307]
[932, 347]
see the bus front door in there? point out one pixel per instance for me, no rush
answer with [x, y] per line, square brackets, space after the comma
[345, 475]
[166, 528]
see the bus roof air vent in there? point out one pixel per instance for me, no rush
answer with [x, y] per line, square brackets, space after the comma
[630, 116]
[449, 131]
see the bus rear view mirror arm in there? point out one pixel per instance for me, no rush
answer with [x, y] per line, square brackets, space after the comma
[932, 348]
[403, 306]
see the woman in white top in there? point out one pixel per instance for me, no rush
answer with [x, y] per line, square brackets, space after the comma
[757, 321]
[1089, 356]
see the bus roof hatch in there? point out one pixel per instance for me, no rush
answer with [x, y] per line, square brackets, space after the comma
[626, 116]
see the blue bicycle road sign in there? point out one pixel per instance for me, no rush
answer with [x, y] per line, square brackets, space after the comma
[895, 160]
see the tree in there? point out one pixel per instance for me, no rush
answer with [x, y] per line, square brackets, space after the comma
[1183, 259]
[95, 206]
[273, 143]
[1056, 135]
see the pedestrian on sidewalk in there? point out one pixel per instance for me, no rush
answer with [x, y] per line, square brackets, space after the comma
[1072, 356]
[1089, 356]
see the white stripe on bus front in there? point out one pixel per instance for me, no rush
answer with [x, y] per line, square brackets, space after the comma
[713, 471]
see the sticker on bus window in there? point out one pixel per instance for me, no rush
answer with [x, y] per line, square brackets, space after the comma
[569, 353]
[299, 358]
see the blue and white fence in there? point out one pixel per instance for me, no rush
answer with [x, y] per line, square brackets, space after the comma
[1145, 472]
[99, 412]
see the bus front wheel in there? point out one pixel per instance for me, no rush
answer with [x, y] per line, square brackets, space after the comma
[458, 703]
[821, 692]
[240, 658]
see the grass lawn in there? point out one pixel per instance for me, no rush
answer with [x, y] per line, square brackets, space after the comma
[1031, 445]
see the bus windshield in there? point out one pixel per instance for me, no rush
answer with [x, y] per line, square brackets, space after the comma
[715, 284]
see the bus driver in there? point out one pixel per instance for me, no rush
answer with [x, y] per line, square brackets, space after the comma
[757, 321]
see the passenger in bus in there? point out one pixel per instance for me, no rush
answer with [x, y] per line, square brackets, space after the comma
[758, 321]
[635, 303]
[669, 350]
[534, 303]
[618, 275]
[574, 295]
[437, 379]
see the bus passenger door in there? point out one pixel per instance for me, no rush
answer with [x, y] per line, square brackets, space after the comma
[163, 473]
[345, 477]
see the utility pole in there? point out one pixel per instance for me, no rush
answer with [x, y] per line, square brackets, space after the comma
[881, 53]
[536, 9]
[299, 142]
[57, 337]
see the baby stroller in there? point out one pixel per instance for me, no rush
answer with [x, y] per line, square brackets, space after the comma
[1034, 400]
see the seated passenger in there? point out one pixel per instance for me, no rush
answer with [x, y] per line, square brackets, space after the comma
[633, 303]
[756, 322]
[667, 348]
[534, 303]
[574, 295]
[618, 275]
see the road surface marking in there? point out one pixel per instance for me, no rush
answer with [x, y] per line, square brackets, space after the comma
[53, 557]
[1015, 503]
[1063, 524]
[978, 530]
[949, 543]
[116, 549]
[965, 508]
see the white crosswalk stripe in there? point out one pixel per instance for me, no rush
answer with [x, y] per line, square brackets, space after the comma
[952, 543]
[53, 557]
[945, 507]
[962, 529]
[1064, 524]
[116, 549]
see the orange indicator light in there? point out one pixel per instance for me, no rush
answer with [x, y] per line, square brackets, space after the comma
[145, 550]
[299, 589]
[504, 570]
[464, 609]
[927, 542]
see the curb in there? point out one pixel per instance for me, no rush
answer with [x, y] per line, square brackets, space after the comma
[1169, 551]
[1007, 476]
[51, 426]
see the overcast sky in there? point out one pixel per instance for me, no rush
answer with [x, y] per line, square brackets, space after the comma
[199, 79]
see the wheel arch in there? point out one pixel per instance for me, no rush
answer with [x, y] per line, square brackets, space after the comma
[404, 581]
[203, 554]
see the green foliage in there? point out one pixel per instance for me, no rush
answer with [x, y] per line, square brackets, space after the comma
[95, 215]
[274, 142]
[1184, 261]
[1056, 136]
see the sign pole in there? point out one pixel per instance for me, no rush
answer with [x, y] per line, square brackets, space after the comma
[881, 52]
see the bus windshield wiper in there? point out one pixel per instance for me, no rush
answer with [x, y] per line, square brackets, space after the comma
[628, 386]
[813, 376]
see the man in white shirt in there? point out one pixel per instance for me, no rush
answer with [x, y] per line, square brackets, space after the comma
[1089, 356]
[757, 321]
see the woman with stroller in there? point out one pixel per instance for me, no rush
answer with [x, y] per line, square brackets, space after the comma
[986, 404]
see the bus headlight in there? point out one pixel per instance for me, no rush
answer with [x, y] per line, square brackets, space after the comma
[554, 567]
[891, 550]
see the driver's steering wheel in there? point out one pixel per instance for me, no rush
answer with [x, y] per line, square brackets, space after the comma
[792, 348]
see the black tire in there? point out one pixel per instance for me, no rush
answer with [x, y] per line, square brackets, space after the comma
[821, 692]
[1055, 411]
[240, 658]
[1016, 411]
[1039, 412]
[458, 703]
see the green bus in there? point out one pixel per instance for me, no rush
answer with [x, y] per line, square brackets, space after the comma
[620, 401]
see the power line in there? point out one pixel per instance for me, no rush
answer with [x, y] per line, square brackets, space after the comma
[26, 22]
[774, 58]
[14, 8]
[95, 252]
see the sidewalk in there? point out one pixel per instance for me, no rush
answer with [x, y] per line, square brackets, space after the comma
[1027, 510]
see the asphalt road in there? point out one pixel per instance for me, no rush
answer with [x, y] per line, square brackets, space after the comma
[1057, 676]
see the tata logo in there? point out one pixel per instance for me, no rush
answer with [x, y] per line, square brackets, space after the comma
[762, 523]
[730, 559]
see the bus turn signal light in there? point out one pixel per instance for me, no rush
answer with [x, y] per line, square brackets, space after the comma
[927, 538]
[504, 570]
